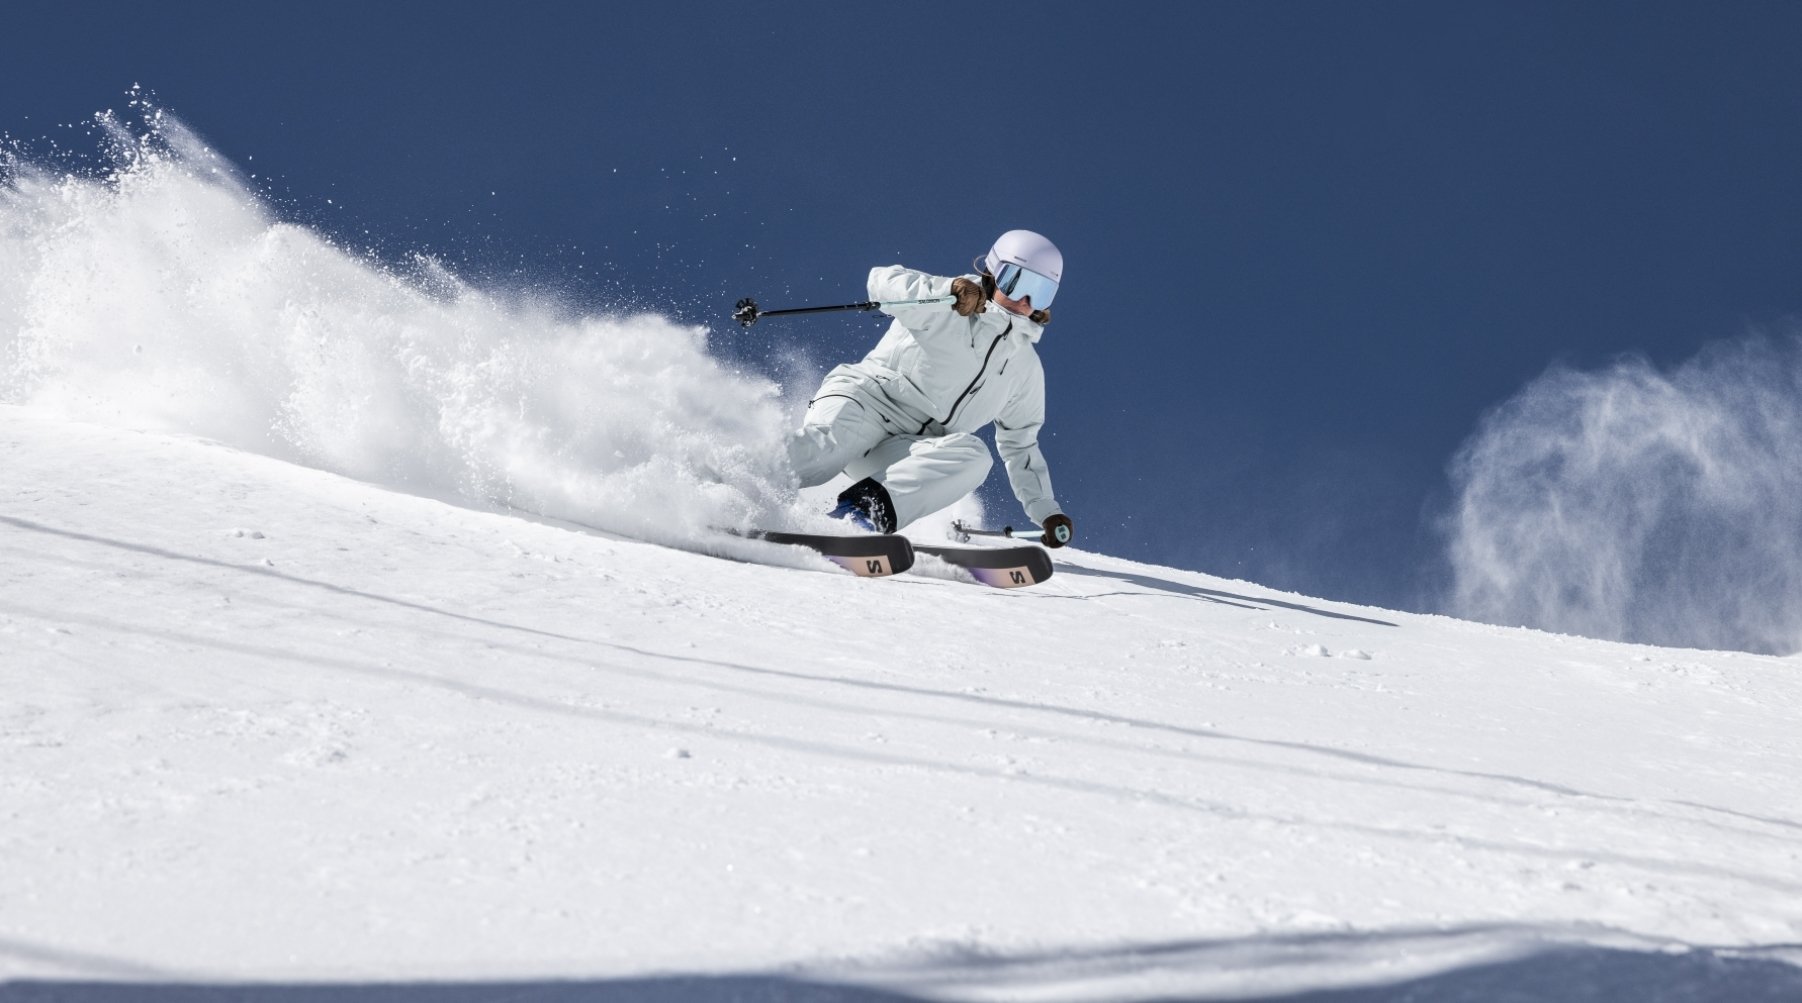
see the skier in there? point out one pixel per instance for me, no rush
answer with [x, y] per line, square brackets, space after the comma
[902, 422]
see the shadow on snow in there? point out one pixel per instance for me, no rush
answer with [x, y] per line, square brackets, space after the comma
[1165, 585]
[1521, 964]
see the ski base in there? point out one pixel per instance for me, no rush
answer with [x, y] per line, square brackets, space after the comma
[867, 555]
[1000, 567]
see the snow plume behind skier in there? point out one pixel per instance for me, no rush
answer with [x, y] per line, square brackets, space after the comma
[151, 287]
[902, 422]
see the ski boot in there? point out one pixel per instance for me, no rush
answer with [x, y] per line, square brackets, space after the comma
[866, 505]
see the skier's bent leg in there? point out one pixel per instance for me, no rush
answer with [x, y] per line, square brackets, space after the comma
[836, 430]
[925, 475]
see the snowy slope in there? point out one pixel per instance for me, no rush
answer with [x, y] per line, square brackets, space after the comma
[262, 723]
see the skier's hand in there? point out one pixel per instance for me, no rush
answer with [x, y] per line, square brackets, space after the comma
[1040, 317]
[1058, 530]
[970, 299]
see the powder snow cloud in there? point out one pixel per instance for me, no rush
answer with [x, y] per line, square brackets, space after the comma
[153, 289]
[1641, 504]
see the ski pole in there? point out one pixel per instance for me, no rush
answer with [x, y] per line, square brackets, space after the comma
[748, 311]
[962, 533]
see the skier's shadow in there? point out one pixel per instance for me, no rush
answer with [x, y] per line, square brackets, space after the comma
[1156, 584]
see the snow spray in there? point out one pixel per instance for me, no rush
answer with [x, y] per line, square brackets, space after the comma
[152, 288]
[1641, 505]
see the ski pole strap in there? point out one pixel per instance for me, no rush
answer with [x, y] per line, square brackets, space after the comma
[748, 312]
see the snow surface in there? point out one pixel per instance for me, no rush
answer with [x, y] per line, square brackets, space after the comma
[264, 724]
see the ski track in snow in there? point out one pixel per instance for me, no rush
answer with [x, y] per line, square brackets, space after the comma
[264, 724]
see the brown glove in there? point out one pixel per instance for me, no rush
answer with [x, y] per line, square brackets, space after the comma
[1040, 317]
[1058, 530]
[970, 299]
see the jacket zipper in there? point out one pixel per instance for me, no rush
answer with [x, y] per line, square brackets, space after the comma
[979, 375]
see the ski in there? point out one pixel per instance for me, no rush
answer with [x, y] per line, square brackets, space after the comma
[1001, 567]
[867, 555]
[878, 555]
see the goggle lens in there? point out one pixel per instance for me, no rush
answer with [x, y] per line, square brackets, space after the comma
[1018, 283]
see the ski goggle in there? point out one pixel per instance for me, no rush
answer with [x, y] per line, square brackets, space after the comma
[1018, 283]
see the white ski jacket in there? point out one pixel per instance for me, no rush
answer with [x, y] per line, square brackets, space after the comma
[935, 373]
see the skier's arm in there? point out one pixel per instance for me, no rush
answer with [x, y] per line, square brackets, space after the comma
[1017, 438]
[896, 282]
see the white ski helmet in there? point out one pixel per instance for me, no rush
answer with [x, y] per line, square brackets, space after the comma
[1042, 262]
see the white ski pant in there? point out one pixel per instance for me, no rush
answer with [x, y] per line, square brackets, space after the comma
[922, 474]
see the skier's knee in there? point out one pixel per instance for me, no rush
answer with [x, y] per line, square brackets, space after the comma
[969, 448]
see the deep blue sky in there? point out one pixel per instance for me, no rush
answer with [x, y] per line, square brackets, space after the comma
[1307, 244]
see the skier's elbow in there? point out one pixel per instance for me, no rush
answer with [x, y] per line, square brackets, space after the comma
[888, 282]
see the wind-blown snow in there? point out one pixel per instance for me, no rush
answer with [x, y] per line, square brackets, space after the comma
[264, 728]
[160, 293]
[1641, 505]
